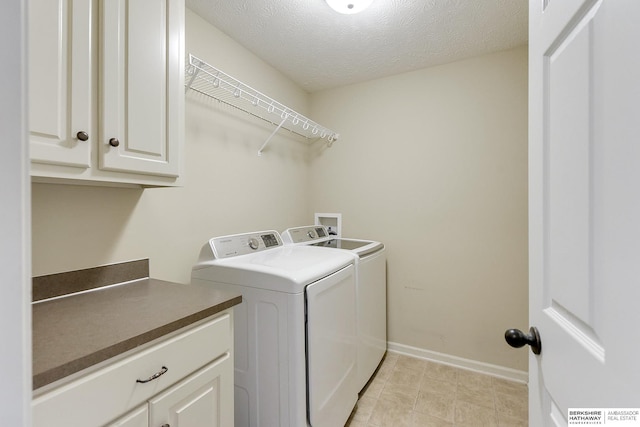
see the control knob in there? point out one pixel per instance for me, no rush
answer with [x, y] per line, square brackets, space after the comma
[253, 243]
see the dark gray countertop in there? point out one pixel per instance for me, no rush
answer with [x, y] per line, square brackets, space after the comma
[77, 331]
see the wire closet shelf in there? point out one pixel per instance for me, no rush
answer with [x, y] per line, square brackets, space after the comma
[210, 81]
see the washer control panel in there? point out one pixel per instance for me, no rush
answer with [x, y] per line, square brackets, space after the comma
[242, 244]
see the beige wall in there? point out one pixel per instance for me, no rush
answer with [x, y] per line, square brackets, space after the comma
[434, 164]
[228, 189]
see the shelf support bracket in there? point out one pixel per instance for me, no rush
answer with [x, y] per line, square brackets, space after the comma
[194, 73]
[272, 133]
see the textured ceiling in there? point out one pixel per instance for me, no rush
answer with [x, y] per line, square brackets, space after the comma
[319, 48]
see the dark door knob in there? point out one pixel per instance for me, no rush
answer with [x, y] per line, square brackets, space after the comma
[516, 338]
[114, 142]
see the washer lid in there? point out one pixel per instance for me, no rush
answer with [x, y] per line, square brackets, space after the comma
[360, 247]
[318, 235]
[281, 268]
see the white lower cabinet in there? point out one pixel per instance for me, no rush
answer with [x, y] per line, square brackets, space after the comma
[185, 380]
[139, 417]
[203, 399]
[200, 400]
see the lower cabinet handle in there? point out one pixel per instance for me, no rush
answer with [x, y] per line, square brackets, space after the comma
[165, 425]
[154, 376]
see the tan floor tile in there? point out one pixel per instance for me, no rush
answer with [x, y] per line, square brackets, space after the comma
[470, 415]
[435, 404]
[363, 410]
[510, 387]
[511, 422]
[412, 392]
[388, 362]
[400, 393]
[441, 372]
[401, 375]
[511, 405]
[374, 388]
[391, 357]
[438, 386]
[424, 420]
[476, 396]
[474, 380]
[391, 414]
[385, 369]
[410, 363]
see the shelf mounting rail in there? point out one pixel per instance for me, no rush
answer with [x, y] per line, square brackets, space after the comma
[210, 81]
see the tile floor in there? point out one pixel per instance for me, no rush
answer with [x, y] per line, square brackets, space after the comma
[417, 393]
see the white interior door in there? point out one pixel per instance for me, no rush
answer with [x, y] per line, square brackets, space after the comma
[584, 201]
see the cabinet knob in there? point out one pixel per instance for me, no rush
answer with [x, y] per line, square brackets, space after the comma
[114, 142]
[82, 136]
[165, 425]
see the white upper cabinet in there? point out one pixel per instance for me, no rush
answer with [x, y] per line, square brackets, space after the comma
[106, 91]
[141, 85]
[60, 83]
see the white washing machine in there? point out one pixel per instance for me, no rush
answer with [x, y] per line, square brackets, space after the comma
[371, 294]
[294, 332]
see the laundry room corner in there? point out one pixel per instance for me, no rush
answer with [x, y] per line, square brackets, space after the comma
[434, 164]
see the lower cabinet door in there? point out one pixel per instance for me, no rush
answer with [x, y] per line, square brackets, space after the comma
[205, 398]
[139, 417]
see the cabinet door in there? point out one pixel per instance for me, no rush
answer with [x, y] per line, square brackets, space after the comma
[137, 418]
[60, 101]
[203, 399]
[141, 86]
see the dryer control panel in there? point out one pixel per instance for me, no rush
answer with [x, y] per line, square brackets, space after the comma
[242, 244]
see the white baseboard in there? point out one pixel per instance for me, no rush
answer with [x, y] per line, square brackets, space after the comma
[459, 362]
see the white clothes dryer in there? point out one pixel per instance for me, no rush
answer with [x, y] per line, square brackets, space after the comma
[371, 290]
[294, 332]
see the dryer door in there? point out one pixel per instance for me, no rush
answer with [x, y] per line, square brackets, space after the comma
[372, 314]
[332, 348]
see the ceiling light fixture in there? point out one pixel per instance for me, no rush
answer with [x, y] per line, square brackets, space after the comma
[349, 6]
